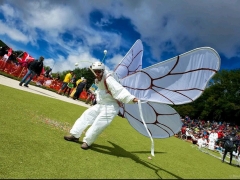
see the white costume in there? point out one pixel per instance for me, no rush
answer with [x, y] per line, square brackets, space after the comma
[202, 142]
[101, 115]
[212, 139]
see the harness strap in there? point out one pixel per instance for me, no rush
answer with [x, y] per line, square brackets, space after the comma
[107, 90]
[149, 134]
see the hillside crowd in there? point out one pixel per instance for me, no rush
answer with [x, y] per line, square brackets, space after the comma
[208, 133]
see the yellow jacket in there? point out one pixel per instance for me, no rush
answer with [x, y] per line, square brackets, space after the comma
[68, 77]
[78, 81]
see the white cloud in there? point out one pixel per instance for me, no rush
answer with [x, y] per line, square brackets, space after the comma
[185, 24]
[7, 10]
[113, 62]
[12, 33]
[83, 60]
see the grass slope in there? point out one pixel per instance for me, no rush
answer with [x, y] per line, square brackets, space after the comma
[32, 146]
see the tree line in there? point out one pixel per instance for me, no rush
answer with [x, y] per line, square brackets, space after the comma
[219, 102]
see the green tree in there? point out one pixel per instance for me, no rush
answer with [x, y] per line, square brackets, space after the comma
[220, 100]
[185, 110]
[86, 73]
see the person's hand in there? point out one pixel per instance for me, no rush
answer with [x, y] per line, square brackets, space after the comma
[135, 100]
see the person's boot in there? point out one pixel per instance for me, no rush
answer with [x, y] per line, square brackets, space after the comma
[71, 138]
[20, 84]
[84, 146]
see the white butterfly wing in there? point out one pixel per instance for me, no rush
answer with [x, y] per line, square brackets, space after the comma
[179, 80]
[162, 120]
[131, 62]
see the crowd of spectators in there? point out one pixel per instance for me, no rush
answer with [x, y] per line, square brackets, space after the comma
[207, 133]
[66, 87]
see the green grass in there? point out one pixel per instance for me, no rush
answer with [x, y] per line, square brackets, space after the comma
[32, 146]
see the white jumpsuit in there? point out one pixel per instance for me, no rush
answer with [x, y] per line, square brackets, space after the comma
[212, 139]
[101, 115]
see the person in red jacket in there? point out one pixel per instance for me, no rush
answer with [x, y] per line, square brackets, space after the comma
[220, 134]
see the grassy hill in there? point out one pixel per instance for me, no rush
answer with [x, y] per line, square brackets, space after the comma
[32, 146]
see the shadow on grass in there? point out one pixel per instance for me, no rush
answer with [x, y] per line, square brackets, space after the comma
[120, 152]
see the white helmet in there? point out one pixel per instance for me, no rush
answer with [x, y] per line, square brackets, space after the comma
[98, 65]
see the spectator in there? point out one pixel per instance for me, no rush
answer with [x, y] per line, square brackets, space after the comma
[213, 137]
[9, 60]
[79, 89]
[202, 142]
[13, 57]
[94, 101]
[3, 51]
[237, 155]
[91, 98]
[194, 138]
[34, 68]
[74, 81]
[70, 86]
[220, 134]
[66, 80]
[57, 77]
[183, 130]
[48, 73]
[188, 134]
[4, 56]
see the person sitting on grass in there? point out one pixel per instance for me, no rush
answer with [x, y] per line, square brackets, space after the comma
[194, 138]
[202, 142]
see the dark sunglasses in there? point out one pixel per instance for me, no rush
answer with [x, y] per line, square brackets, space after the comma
[97, 71]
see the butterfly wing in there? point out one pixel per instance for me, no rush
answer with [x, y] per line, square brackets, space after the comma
[179, 80]
[131, 62]
[162, 120]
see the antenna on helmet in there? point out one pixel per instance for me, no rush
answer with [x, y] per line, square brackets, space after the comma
[105, 52]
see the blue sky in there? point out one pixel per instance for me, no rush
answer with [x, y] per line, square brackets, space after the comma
[66, 32]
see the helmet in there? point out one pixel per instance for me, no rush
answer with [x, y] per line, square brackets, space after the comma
[98, 65]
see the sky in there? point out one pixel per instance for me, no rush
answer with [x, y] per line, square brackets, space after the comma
[66, 32]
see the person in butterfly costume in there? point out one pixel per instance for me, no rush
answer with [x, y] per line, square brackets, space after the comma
[99, 116]
[176, 81]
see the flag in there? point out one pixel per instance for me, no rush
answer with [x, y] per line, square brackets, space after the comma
[93, 87]
[25, 59]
